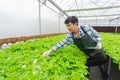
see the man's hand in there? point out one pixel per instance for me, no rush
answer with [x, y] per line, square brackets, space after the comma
[47, 53]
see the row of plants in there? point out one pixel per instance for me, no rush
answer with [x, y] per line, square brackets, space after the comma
[24, 60]
[111, 44]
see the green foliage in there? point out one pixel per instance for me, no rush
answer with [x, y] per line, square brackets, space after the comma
[111, 44]
[24, 61]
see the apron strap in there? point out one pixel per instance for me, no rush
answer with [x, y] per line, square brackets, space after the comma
[72, 35]
[84, 30]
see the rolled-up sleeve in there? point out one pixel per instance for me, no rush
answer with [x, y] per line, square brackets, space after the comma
[67, 40]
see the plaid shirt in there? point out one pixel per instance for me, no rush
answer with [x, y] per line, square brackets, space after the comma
[69, 40]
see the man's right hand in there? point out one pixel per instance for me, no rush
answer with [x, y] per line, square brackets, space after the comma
[47, 53]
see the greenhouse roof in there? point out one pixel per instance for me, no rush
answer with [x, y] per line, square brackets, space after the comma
[96, 9]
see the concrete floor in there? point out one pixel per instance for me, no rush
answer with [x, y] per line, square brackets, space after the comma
[114, 73]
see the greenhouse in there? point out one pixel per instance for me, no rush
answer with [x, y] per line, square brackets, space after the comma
[59, 39]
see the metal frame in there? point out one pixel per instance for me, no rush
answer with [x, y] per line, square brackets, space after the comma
[39, 16]
[53, 3]
[78, 10]
[65, 12]
[89, 9]
[115, 18]
[116, 27]
[98, 15]
[77, 6]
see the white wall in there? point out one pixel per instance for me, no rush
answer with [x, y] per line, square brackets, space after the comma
[18, 18]
[51, 21]
[63, 27]
[21, 18]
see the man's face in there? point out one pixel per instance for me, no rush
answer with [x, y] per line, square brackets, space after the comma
[71, 27]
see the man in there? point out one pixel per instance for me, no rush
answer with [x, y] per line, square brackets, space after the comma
[87, 40]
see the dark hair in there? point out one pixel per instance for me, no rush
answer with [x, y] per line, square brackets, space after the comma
[72, 19]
